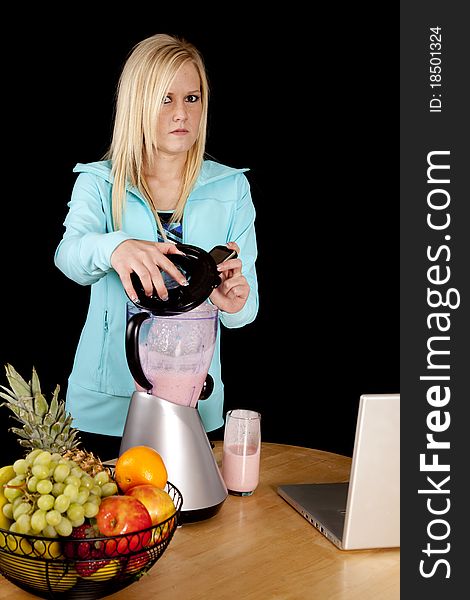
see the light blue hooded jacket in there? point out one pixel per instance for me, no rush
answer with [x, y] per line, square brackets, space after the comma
[218, 210]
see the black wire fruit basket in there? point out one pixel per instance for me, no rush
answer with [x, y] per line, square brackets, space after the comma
[88, 568]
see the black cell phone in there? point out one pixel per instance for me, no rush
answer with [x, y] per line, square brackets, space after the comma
[222, 253]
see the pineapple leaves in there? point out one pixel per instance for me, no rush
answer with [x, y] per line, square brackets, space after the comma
[17, 383]
[35, 385]
[53, 408]
[11, 399]
[45, 426]
[22, 433]
[40, 405]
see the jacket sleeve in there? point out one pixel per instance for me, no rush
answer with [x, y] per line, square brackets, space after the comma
[243, 233]
[84, 253]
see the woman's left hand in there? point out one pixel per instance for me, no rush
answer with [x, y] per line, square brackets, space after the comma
[231, 295]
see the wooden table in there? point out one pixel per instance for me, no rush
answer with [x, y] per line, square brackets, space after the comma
[259, 548]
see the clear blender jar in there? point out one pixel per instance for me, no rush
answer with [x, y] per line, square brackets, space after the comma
[169, 356]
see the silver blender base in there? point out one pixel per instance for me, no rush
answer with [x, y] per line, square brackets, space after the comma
[177, 434]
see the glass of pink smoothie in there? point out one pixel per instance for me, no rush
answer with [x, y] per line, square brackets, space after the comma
[241, 451]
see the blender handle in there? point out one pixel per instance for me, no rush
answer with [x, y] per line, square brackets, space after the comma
[207, 388]
[132, 349]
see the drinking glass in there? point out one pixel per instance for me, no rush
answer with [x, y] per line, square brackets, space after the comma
[241, 451]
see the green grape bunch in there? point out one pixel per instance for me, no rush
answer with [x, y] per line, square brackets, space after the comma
[50, 495]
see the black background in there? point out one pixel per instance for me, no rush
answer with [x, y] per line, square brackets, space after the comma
[310, 109]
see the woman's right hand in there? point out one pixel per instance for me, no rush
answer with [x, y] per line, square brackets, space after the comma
[146, 259]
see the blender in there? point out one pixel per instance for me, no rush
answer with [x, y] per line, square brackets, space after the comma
[169, 348]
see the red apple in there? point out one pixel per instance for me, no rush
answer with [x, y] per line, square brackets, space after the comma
[120, 515]
[159, 505]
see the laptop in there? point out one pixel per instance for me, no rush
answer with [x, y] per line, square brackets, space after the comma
[363, 512]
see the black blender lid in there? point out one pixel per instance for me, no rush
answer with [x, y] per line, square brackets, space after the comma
[200, 270]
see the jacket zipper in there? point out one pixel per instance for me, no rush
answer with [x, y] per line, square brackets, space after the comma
[103, 349]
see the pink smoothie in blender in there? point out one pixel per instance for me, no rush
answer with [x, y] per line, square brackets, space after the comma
[176, 385]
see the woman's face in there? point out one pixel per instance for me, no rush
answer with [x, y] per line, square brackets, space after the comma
[180, 115]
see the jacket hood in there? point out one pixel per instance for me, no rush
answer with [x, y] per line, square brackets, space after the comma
[211, 171]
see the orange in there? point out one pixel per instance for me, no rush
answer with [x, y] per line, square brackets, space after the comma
[140, 464]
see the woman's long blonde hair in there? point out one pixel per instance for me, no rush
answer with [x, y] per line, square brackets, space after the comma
[143, 85]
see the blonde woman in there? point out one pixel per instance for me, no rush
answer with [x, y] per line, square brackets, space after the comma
[153, 189]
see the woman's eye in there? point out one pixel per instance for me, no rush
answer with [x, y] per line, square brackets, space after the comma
[192, 98]
[166, 100]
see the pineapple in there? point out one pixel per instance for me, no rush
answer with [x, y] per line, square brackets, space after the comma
[45, 426]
